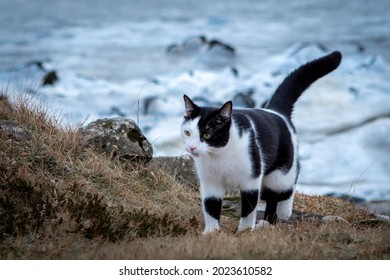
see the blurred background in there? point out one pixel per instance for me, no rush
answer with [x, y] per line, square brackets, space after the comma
[93, 59]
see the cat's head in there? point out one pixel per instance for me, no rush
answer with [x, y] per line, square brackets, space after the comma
[205, 129]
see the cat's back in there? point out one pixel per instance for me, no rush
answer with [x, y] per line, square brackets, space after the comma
[271, 138]
[262, 121]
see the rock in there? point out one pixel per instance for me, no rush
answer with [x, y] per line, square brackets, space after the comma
[189, 46]
[119, 137]
[147, 103]
[209, 51]
[11, 129]
[334, 219]
[117, 111]
[235, 71]
[182, 168]
[50, 78]
[382, 218]
[245, 99]
[224, 46]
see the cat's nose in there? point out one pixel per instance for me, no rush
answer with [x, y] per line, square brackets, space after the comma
[192, 148]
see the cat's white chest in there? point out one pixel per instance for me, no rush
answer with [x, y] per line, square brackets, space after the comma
[231, 167]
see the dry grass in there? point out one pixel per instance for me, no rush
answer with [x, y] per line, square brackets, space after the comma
[59, 200]
[303, 241]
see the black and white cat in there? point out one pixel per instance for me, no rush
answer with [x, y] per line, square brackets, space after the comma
[254, 151]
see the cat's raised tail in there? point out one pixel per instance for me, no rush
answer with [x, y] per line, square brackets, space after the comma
[299, 80]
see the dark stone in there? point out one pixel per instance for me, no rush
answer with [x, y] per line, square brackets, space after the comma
[117, 111]
[353, 90]
[189, 45]
[147, 103]
[245, 99]
[172, 48]
[216, 43]
[50, 78]
[194, 44]
[234, 71]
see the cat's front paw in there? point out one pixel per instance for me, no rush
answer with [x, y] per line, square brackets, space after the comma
[242, 228]
[210, 230]
[263, 224]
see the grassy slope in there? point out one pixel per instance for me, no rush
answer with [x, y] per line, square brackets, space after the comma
[59, 200]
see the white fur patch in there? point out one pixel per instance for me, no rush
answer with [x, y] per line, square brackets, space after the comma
[211, 224]
[248, 222]
[263, 224]
[284, 208]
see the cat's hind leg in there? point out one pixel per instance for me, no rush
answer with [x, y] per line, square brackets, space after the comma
[284, 207]
[278, 192]
[249, 200]
[270, 197]
[279, 204]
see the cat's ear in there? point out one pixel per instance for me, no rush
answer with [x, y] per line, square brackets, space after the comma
[226, 110]
[190, 106]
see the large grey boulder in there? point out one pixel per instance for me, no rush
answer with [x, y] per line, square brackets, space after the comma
[119, 137]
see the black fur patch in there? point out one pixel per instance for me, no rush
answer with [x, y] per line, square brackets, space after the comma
[272, 198]
[242, 123]
[268, 194]
[270, 212]
[213, 206]
[298, 170]
[249, 201]
[214, 124]
[270, 139]
[254, 152]
[192, 110]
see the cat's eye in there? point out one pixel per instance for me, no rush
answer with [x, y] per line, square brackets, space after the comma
[187, 133]
[206, 136]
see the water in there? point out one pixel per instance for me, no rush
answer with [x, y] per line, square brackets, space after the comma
[120, 40]
[111, 59]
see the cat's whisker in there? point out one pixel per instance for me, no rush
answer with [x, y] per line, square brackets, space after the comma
[213, 161]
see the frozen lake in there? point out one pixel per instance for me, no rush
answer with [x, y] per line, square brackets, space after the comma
[111, 59]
